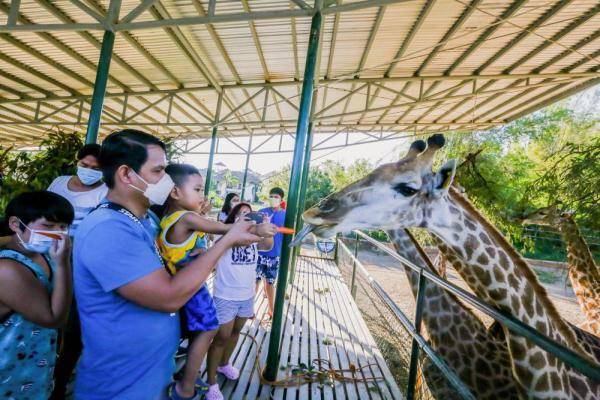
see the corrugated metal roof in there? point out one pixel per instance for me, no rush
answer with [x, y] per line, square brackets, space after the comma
[418, 66]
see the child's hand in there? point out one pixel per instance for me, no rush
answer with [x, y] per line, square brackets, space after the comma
[205, 206]
[60, 251]
[266, 230]
[241, 234]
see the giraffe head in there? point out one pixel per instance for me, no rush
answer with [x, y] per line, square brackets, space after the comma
[394, 195]
[548, 216]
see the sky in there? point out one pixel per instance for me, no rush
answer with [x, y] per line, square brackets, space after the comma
[377, 152]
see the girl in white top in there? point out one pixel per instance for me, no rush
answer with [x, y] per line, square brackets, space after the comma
[233, 295]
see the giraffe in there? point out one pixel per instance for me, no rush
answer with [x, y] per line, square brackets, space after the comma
[408, 194]
[583, 271]
[480, 360]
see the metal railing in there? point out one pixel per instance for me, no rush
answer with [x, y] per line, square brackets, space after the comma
[419, 343]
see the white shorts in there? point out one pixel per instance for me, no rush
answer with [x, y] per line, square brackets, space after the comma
[228, 310]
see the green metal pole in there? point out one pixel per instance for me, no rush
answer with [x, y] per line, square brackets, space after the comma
[302, 197]
[246, 168]
[108, 42]
[270, 372]
[213, 146]
[414, 354]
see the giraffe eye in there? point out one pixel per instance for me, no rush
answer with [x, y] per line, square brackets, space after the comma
[405, 190]
[328, 205]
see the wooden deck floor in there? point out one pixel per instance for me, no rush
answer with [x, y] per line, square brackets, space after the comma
[322, 321]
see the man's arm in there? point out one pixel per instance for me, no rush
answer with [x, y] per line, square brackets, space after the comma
[162, 292]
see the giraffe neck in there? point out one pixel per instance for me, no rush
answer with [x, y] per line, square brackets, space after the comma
[504, 280]
[578, 252]
[456, 333]
[584, 274]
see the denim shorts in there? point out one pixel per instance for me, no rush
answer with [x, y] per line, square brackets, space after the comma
[267, 268]
[228, 310]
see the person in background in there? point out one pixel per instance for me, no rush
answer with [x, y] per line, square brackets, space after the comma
[233, 294]
[127, 301]
[231, 200]
[84, 191]
[35, 292]
[268, 261]
[182, 240]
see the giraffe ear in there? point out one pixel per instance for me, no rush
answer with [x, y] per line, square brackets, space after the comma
[445, 175]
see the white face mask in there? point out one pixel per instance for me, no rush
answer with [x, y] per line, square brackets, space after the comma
[88, 176]
[157, 193]
[40, 241]
[274, 202]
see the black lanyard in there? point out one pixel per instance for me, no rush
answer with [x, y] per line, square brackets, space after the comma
[120, 209]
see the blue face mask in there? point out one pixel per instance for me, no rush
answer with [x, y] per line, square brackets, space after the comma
[40, 241]
[88, 176]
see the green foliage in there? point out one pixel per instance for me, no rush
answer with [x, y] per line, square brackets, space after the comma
[322, 179]
[552, 156]
[26, 171]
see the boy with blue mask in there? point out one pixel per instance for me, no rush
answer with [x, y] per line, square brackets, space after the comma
[35, 291]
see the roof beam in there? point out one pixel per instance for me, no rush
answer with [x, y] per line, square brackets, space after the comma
[215, 19]
[453, 29]
[555, 59]
[324, 82]
[301, 4]
[359, 5]
[137, 11]
[411, 35]
[524, 33]
[558, 86]
[82, 6]
[14, 12]
[257, 44]
[219, 43]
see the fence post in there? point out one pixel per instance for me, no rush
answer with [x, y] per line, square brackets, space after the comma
[353, 280]
[335, 250]
[414, 353]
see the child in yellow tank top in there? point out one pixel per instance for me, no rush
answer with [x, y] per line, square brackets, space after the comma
[182, 239]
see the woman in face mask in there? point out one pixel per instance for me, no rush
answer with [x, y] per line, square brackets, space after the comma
[85, 190]
[35, 291]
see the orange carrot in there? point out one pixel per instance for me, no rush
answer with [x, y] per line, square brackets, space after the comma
[285, 231]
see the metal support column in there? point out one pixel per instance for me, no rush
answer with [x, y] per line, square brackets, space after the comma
[414, 354]
[302, 197]
[213, 146]
[108, 42]
[246, 168]
[272, 367]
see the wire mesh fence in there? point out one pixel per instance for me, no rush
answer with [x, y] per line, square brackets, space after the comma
[392, 337]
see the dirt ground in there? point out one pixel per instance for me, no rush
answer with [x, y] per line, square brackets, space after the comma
[392, 277]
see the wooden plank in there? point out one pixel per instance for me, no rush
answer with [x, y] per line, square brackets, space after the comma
[361, 328]
[336, 349]
[342, 341]
[323, 321]
[354, 350]
[289, 328]
[304, 349]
